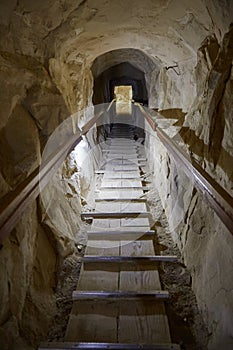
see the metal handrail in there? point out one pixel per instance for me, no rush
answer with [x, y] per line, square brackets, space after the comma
[16, 202]
[218, 198]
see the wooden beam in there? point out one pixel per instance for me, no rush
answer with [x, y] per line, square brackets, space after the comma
[131, 200]
[105, 346]
[143, 188]
[93, 214]
[129, 259]
[120, 236]
[133, 170]
[157, 295]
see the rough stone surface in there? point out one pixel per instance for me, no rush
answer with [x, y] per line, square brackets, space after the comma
[46, 51]
[20, 148]
[60, 205]
[205, 243]
[22, 281]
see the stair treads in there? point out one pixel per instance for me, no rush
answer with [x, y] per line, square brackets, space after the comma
[125, 151]
[121, 206]
[129, 259]
[121, 183]
[136, 195]
[119, 301]
[133, 160]
[121, 168]
[154, 295]
[115, 225]
[118, 169]
[121, 236]
[129, 214]
[145, 323]
[93, 322]
[98, 224]
[131, 200]
[106, 346]
[122, 174]
[125, 263]
[97, 249]
[125, 188]
[119, 177]
[98, 280]
[137, 248]
[145, 281]
[134, 222]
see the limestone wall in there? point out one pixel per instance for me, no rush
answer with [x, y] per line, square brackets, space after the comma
[31, 109]
[205, 243]
[46, 50]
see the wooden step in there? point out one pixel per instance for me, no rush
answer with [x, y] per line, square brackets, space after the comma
[93, 214]
[131, 179]
[126, 151]
[105, 346]
[144, 188]
[158, 295]
[120, 235]
[125, 157]
[129, 259]
[121, 200]
[124, 263]
[131, 159]
[114, 171]
[119, 148]
[128, 178]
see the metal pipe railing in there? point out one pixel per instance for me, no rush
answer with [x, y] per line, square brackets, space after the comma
[217, 197]
[15, 203]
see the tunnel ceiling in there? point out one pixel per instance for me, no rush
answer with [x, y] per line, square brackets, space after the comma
[170, 31]
[122, 66]
[67, 36]
[136, 58]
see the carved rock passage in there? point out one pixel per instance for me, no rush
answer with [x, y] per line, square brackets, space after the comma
[111, 301]
[46, 52]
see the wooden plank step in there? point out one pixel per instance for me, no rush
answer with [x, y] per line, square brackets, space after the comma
[120, 148]
[129, 157]
[121, 200]
[132, 179]
[124, 230]
[129, 259]
[155, 295]
[144, 188]
[115, 170]
[105, 346]
[126, 263]
[125, 157]
[139, 178]
[125, 150]
[133, 170]
[93, 214]
[119, 235]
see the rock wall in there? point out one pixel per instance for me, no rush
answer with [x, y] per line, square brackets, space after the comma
[204, 241]
[46, 49]
[32, 108]
[175, 86]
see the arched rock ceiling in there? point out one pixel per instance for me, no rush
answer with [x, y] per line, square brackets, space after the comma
[136, 58]
[168, 30]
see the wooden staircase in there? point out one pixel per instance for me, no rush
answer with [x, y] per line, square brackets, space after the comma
[119, 303]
